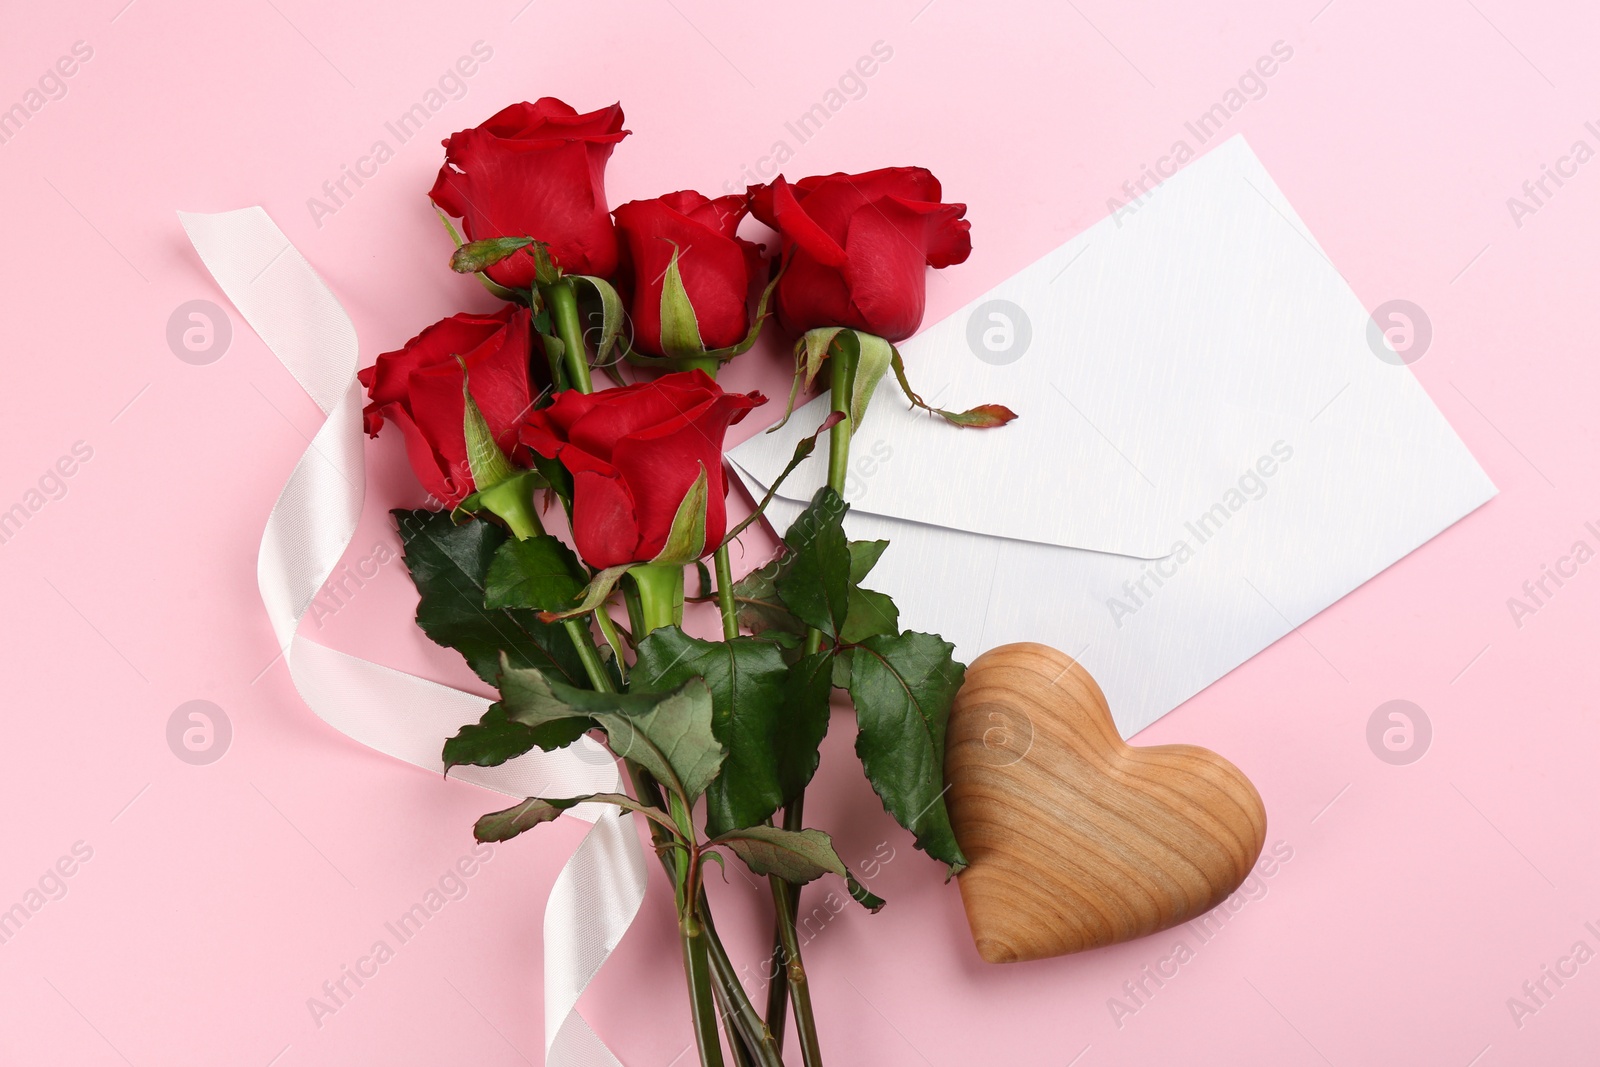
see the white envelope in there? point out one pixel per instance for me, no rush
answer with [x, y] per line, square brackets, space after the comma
[1209, 451]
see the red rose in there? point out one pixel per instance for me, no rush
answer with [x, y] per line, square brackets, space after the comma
[418, 388]
[535, 170]
[715, 264]
[633, 453]
[861, 244]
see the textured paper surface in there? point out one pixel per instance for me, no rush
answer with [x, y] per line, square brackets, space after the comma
[1208, 450]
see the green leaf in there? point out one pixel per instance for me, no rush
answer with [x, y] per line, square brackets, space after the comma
[673, 740]
[841, 667]
[611, 315]
[495, 738]
[815, 581]
[870, 613]
[477, 255]
[539, 573]
[668, 734]
[506, 824]
[768, 716]
[982, 417]
[680, 329]
[864, 556]
[686, 537]
[903, 686]
[761, 610]
[797, 856]
[449, 565]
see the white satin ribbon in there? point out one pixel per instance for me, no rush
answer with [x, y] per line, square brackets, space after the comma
[597, 894]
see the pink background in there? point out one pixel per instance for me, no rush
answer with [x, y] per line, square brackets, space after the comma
[219, 898]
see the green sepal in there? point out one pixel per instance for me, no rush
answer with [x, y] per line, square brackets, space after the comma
[475, 256]
[611, 316]
[511, 501]
[680, 328]
[982, 417]
[487, 462]
[516, 296]
[686, 537]
[721, 355]
[873, 356]
[594, 594]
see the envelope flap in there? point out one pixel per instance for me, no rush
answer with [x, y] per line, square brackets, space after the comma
[1054, 481]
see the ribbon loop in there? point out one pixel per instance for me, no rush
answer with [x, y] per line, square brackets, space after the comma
[597, 894]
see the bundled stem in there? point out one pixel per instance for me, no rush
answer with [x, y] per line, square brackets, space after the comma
[789, 982]
[655, 599]
[697, 936]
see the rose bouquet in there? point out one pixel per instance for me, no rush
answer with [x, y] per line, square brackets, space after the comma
[505, 430]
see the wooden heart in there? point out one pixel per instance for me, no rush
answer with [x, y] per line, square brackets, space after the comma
[1077, 839]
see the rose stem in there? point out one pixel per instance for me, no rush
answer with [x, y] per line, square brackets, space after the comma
[748, 1025]
[578, 630]
[659, 589]
[725, 604]
[697, 967]
[785, 903]
[785, 941]
[741, 1055]
[705, 363]
[749, 1033]
[563, 304]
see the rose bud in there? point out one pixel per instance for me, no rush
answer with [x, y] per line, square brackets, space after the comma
[634, 453]
[714, 271]
[535, 170]
[419, 389]
[860, 244]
